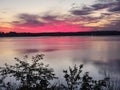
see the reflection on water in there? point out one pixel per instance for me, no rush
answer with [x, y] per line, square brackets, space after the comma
[96, 53]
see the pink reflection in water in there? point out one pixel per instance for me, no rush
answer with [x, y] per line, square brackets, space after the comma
[62, 52]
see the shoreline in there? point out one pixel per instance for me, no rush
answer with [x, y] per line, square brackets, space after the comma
[63, 34]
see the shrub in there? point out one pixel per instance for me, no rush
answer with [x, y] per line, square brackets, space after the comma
[75, 80]
[36, 76]
[31, 75]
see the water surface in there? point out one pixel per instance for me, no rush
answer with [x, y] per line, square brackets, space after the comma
[99, 55]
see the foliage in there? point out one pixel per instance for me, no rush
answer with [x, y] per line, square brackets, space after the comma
[75, 80]
[30, 74]
[35, 75]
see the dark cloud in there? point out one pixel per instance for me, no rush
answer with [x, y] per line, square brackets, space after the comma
[28, 17]
[112, 6]
[115, 8]
[49, 17]
[80, 12]
[111, 10]
[83, 11]
[28, 20]
[99, 6]
[36, 20]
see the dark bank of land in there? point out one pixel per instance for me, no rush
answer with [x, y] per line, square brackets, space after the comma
[90, 33]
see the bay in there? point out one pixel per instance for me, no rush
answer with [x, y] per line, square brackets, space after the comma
[99, 55]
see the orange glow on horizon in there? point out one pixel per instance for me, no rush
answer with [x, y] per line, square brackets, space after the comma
[6, 29]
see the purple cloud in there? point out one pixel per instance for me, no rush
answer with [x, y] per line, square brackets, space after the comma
[28, 20]
[83, 11]
[112, 9]
[49, 17]
[115, 8]
[99, 6]
[112, 6]
[35, 20]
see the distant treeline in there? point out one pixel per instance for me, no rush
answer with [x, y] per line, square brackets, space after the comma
[90, 33]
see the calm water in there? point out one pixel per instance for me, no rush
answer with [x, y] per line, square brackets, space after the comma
[98, 54]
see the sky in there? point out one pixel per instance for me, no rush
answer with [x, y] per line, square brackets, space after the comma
[37, 16]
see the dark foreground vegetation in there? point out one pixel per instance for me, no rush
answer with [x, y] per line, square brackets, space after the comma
[35, 75]
[90, 33]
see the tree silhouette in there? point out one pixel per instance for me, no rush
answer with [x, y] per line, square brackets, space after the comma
[35, 75]
[75, 80]
[31, 75]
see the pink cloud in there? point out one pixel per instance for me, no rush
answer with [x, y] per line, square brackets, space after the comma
[55, 27]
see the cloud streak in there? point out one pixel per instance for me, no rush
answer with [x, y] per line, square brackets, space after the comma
[28, 20]
[46, 23]
[83, 11]
[102, 15]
